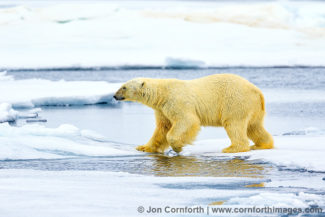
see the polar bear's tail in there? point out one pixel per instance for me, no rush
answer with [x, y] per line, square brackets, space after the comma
[262, 102]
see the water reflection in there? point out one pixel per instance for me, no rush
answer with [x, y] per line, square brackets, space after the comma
[157, 165]
[194, 166]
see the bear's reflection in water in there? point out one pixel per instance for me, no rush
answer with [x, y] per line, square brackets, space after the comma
[192, 166]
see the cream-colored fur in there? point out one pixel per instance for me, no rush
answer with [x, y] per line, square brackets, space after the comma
[182, 107]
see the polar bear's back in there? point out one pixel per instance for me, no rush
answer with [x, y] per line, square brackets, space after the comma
[222, 81]
[221, 96]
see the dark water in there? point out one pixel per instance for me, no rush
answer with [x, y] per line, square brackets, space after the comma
[289, 78]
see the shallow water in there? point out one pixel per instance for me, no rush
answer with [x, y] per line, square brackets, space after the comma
[154, 164]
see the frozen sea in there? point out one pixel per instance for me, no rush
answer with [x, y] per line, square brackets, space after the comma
[70, 150]
[161, 33]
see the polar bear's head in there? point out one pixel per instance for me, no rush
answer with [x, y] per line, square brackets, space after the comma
[131, 90]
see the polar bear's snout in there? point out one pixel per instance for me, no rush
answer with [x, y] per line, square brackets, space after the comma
[120, 94]
[118, 97]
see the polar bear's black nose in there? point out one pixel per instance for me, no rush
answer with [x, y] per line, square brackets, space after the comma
[118, 97]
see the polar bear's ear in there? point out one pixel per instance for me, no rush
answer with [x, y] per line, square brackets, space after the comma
[142, 84]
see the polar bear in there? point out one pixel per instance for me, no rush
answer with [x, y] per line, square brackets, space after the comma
[183, 106]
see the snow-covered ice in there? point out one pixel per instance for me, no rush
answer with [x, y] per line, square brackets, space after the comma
[302, 200]
[38, 92]
[88, 193]
[7, 113]
[294, 152]
[163, 33]
[34, 141]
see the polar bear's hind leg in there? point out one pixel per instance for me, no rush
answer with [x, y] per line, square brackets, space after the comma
[257, 133]
[236, 131]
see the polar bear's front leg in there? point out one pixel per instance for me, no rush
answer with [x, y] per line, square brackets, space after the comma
[183, 132]
[158, 142]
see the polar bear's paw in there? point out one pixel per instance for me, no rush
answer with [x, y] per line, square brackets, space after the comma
[259, 147]
[235, 149]
[144, 148]
[147, 148]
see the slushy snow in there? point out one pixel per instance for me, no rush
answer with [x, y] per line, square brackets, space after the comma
[162, 33]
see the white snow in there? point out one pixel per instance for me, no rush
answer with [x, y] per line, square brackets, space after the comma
[293, 152]
[38, 92]
[165, 33]
[7, 113]
[5, 77]
[302, 200]
[89, 193]
[34, 141]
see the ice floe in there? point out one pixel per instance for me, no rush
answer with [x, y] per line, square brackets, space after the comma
[7, 113]
[83, 193]
[38, 92]
[34, 141]
[290, 152]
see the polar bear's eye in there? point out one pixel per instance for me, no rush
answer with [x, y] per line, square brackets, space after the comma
[124, 88]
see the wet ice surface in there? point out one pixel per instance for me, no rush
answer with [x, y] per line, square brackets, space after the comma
[93, 169]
